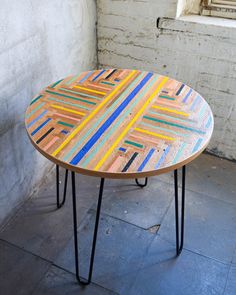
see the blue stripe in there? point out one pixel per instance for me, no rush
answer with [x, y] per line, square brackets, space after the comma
[187, 96]
[94, 79]
[36, 119]
[140, 168]
[197, 145]
[122, 149]
[162, 157]
[109, 121]
[208, 122]
[64, 131]
[40, 126]
[180, 89]
[194, 103]
[86, 76]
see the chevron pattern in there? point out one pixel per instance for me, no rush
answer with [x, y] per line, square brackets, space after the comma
[119, 121]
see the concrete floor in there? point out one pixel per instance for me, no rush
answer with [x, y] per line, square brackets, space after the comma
[36, 246]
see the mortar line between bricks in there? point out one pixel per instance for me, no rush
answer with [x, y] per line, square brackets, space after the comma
[226, 281]
[51, 263]
[117, 218]
[192, 251]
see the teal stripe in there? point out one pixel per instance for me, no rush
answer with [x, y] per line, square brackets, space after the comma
[34, 100]
[164, 129]
[108, 83]
[72, 97]
[167, 97]
[69, 103]
[118, 123]
[55, 84]
[35, 109]
[79, 93]
[173, 124]
[180, 152]
[134, 143]
[202, 111]
[109, 110]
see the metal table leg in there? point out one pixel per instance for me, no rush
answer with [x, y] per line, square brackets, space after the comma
[80, 280]
[179, 244]
[141, 185]
[60, 204]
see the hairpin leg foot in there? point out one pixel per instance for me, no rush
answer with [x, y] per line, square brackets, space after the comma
[88, 280]
[140, 184]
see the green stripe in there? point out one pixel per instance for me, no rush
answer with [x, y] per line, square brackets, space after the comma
[73, 79]
[35, 110]
[65, 124]
[108, 83]
[164, 129]
[119, 122]
[180, 151]
[173, 124]
[55, 84]
[134, 143]
[109, 110]
[167, 97]
[69, 103]
[79, 93]
[169, 117]
[34, 100]
[72, 97]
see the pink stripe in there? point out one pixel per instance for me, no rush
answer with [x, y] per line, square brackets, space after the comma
[116, 164]
[68, 117]
[51, 143]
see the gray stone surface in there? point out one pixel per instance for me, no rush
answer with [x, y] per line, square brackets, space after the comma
[189, 274]
[121, 249]
[129, 258]
[231, 282]
[209, 226]
[20, 271]
[40, 42]
[144, 207]
[40, 227]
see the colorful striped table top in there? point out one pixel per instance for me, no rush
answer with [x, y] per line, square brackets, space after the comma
[119, 123]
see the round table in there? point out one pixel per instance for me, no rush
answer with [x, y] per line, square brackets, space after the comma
[119, 123]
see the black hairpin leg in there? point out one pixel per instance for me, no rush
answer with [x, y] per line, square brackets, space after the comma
[179, 243]
[80, 280]
[141, 185]
[60, 204]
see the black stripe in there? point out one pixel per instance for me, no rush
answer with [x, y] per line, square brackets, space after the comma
[111, 74]
[130, 162]
[45, 134]
[180, 89]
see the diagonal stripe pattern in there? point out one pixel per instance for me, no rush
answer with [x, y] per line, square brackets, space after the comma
[119, 122]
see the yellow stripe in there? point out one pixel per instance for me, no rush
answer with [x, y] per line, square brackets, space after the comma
[90, 90]
[154, 134]
[171, 111]
[123, 133]
[67, 110]
[92, 114]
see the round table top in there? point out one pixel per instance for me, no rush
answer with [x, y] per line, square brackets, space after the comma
[118, 123]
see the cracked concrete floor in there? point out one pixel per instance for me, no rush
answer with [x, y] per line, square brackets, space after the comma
[136, 240]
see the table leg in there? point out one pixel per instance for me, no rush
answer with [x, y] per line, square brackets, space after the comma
[60, 204]
[179, 245]
[80, 280]
[141, 185]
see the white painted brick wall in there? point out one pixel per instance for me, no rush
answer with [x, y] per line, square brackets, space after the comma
[203, 56]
